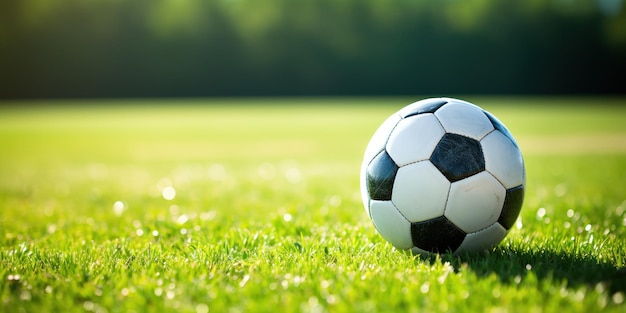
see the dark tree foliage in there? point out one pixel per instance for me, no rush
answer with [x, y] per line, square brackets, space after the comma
[152, 48]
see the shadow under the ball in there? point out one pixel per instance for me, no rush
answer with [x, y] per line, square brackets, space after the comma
[512, 266]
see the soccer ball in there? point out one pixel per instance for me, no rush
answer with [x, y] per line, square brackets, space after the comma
[443, 175]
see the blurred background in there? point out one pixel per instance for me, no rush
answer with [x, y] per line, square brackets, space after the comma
[204, 48]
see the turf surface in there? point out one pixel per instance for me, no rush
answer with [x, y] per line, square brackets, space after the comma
[241, 205]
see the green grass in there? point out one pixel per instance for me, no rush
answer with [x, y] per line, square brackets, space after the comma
[267, 215]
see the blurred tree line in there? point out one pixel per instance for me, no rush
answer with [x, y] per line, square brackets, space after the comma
[122, 48]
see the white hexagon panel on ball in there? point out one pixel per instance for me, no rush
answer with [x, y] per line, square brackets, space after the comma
[503, 159]
[475, 202]
[379, 139]
[414, 139]
[483, 239]
[420, 191]
[391, 224]
[464, 119]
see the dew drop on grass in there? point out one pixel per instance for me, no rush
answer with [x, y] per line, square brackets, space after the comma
[14, 277]
[155, 233]
[287, 217]
[168, 193]
[182, 219]
[88, 305]
[425, 287]
[541, 212]
[579, 295]
[170, 294]
[139, 232]
[202, 308]
[442, 278]
[119, 207]
[244, 281]
[331, 299]
[174, 209]
[618, 297]
[570, 213]
[297, 280]
[496, 293]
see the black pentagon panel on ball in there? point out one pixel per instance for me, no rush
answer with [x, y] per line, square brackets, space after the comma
[458, 157]
[512, 205]
[381, 173]
[500, 127]
[437, 235]
[426, 106]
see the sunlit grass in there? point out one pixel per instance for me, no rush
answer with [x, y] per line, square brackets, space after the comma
[254, 205]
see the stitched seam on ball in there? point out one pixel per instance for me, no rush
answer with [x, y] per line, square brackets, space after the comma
[395, 207]
[445, 205]
[439, 121]
[386, 140]
[487, 134]
[498, 179]
[431, 153]
[389, 135]
[490, 225]
[414, 162]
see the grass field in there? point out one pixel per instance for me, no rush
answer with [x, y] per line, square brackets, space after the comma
[253, 205]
